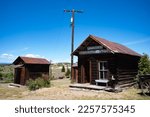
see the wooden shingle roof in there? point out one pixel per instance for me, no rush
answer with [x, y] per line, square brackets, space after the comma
[111, 46]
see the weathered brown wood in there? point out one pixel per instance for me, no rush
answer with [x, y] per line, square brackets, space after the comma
[122, 62]
[22, 76]
[126, 82]
[75, 73]
[90, 71]
[31, 68]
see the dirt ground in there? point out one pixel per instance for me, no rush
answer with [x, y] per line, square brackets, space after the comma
[60, 90]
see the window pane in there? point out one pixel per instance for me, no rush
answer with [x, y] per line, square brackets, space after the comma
[101, 65]
[105, 74]
[105, 65]
[103, 69]
[101, 74]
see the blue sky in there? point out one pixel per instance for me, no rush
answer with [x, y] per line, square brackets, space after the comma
[40, 28]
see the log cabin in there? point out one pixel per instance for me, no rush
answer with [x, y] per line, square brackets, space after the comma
[105, 63]
[30, 68]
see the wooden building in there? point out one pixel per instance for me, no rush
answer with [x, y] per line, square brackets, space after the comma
[30, 68]
[103, 62]
[75, 72]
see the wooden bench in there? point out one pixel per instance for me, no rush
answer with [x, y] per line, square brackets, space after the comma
[102, 81]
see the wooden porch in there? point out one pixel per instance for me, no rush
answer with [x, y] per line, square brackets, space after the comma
[91, 87]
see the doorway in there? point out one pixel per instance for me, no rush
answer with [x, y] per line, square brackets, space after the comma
[17, 75]
[85, 72]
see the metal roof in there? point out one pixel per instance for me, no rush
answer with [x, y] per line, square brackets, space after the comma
[112, 46]
[29, 60]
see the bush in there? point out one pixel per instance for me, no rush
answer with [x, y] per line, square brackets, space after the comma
[38, 83]
[144, 65]
[1, 69]
[1, 75]
[63, 69]
[68, 73]
[7, 77]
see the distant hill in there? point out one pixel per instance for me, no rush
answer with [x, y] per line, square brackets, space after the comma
[5, 64]
[62, 63]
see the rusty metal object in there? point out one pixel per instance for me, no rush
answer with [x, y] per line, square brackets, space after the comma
[145, 84]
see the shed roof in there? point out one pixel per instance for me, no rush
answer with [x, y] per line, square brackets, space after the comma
[29, 60]
[112, 46]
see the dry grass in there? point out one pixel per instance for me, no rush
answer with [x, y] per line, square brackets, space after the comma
[7, 92]
[60, 91]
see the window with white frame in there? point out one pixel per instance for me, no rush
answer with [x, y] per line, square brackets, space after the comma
[103, 69]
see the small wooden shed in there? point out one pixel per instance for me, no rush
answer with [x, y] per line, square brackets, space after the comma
[30, 68]
[103, 62]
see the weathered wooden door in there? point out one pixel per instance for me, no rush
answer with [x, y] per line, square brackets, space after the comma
[22, 76]
[82, 74]
[17, 75]
[87, 72]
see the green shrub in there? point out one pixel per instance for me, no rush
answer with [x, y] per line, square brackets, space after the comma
[38, 83]
[1, 69]
[63, 69]
[144, 65]
[1, 75]
[32, 85]
[68, 73]
[7, 77]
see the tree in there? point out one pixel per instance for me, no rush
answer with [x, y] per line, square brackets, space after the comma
[1, 69]
[144, 65]
[68, 72]
[63, 69]
[1, 75]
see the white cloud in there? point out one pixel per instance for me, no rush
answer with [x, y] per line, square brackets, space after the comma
[26, 48]
[7, 56]
[34, 56]
[137, 41]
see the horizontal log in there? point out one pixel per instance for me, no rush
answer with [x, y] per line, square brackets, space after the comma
[125, 76]
[131, 78]
[126, 73]
[126, 82]
[127, 85]
[127, 70]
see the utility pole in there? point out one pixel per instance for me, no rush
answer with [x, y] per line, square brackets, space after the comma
[72, 35]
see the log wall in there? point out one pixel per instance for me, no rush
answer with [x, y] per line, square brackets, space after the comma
[127, 69]
[123, 68]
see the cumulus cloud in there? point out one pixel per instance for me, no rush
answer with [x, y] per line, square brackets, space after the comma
[34, 56]
[7, 56]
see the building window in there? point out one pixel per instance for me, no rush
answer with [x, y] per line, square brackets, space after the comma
[103, 69]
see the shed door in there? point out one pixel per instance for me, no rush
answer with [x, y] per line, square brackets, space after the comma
[103, 69]
[17, 75]
[20, 76]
